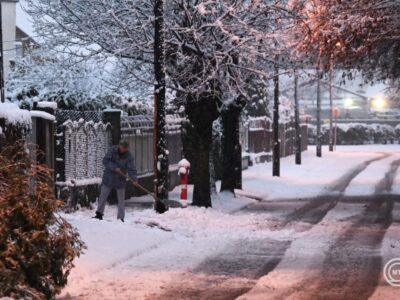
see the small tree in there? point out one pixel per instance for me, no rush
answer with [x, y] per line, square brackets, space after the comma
[37, 247]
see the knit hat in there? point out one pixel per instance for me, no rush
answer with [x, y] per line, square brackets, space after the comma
[124, 143]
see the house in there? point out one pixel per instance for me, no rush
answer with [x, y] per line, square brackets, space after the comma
[353, 99]
[17, 32]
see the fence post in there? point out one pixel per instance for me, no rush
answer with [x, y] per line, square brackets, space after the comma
[43, 130]
[113, 116]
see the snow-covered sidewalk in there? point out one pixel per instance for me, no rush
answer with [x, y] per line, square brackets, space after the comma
[134, 261]
[313, 177]
[121, 256]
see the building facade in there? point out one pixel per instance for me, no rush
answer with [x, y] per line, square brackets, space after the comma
[16, 40]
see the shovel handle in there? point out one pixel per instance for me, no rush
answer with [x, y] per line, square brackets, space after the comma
[136, 184]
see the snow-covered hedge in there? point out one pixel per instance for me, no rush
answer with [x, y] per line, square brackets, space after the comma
[358, 133]
[15, 123]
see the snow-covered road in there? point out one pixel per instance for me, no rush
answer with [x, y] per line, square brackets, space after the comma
[323, 230]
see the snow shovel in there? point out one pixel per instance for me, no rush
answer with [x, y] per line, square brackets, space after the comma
[167, 202]
[159, 205]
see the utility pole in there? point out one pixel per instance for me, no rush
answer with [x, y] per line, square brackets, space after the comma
[330, 103]
[297, 120]
[2, 98]
[276, 150]
[277, 143]
[319, 146]
[160, 143]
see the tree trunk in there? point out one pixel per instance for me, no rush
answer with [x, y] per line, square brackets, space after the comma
[276, 155]
[201, 180]
[201, 113]
[319, 146]
[231, 149]
[297, 121]
[160, 143]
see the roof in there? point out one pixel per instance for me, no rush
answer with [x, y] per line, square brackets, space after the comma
[24, 21]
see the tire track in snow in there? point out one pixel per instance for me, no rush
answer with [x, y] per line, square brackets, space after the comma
[133, 255]
[228, 274]
[353, 265]
[341, 185]
[226, 265]
[385, 185]
[316, 209]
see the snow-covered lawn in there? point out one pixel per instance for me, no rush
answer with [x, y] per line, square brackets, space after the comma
[134, 261]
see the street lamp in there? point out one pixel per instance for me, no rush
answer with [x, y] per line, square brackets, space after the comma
[348, 104]
[379, 103]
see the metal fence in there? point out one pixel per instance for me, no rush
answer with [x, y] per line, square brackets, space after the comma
[257, 136]
[138, 131]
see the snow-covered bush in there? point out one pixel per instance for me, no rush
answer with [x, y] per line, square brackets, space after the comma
[49, 76]
[15, 123]
[358, 134]
[37, 247]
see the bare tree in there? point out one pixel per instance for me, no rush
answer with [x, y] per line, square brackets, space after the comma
[212, 48]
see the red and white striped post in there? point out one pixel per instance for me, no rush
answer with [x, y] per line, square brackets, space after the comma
[184, 167]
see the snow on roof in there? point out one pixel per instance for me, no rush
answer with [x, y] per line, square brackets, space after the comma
[24, 21]
[14, 115]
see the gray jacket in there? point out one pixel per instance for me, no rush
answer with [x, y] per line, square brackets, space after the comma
[113, 160]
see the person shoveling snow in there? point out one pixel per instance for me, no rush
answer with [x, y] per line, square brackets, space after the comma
[118, 163]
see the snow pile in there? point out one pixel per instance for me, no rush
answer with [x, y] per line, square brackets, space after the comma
[201, 222]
